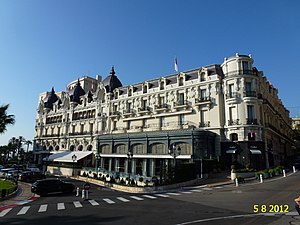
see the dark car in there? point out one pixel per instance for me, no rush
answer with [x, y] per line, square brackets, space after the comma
[47, 186]
[30, 176]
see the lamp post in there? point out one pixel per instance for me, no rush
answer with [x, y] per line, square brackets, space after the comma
[74, 158]
[174, 152]
[97, 156]
[129, 157]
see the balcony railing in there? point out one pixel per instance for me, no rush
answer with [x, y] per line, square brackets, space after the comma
[161, 106]
[202, 100]
[114, 114]
[232, 95]
[204, 124]
[250, 94]
[128, 112]
[81, 133]
[233, 122]
[251, 121]
[144, 109]
[243, 72]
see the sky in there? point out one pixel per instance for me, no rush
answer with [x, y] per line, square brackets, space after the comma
[50, 43]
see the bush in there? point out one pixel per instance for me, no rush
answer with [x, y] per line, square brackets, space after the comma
[141, 179]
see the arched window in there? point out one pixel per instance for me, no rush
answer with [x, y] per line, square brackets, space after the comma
[234, 137]
[80, 148]
[251, 136]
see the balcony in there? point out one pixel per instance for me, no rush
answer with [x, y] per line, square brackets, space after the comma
[251, 121]
[161, 107]
[233, 122]
[204, 124]
[250, 94]
[202, 101]
[81, 133]
[144, 110]
[114, 114]
[232, 97]
[242, 72]
[119, 130]
[178, 125]
[128, 112]
[181, 105]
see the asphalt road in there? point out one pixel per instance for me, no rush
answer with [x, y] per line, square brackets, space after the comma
[200, 205]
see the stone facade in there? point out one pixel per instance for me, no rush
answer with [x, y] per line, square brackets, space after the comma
[232, 104]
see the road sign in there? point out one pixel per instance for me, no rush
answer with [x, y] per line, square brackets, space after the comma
[86, 186]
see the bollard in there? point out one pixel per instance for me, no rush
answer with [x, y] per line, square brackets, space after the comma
[294, 169]
[236, 182]
[283, 171]
[87, 194]
[261, 178]
[77, 191]
[83, 194]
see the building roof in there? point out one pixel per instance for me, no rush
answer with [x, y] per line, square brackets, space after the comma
[76, 93]
[50, 99]
[111, 82]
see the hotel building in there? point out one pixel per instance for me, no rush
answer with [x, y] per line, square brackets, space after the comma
[230, 112]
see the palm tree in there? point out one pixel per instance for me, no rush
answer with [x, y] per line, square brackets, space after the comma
[28, 142]
[5, 119]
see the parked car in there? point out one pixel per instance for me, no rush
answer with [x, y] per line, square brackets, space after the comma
[30, 176]
[47, 186]
[11, 175]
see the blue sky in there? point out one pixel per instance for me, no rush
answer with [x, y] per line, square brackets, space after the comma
[53, 42]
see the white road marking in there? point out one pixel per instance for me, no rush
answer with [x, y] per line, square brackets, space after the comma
[136, 198]
[196, 190]
[4, 212]
[186, 192]
[77, 204]
[108, 201]
[207, 189]
[93, 202]
[218, 187]
[123, 199]
[149, 196]
[220, 218]
[23, 210]
[43, 208]
[172, 193]
[61, 206]
[161, 195]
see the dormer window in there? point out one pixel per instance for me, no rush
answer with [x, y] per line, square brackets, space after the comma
[130, 92]
[145, 89]
[162, 85]
[245, 66]
[202, 77]
[181, 81]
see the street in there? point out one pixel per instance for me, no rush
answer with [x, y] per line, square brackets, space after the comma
[196, 205]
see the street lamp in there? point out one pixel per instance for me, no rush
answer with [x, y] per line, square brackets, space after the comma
[97, 156]
[74, 158]
[129, 157]
[174, 153]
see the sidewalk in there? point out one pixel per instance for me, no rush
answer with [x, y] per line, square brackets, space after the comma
[22, 196]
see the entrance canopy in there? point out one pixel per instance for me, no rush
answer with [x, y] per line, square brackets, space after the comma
[231, 151]
[67, 156]
[255, 151]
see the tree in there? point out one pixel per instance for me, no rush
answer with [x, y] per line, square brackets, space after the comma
[28, 142]
[5, 119]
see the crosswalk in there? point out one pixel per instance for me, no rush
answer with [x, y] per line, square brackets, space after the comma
[96, 202]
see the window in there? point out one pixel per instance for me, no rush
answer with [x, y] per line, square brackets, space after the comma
[114, 125]
[161, 100]
[128, 124]
[115, 108]
[234, 137]
[203, 94]
[162, 85]
[91, 127]
[145, 123]
[81, 128]
[181, 119]
[144, 104]
[250, 112]
[181, 81]
[251, 136]
[145, 89]
[58, 131]
[245, 66]
[181, 99]
[129, 92]
[129, 106]
[231, 90]
[202, 77]
[248, 86]
[73, 129]
[162, 121]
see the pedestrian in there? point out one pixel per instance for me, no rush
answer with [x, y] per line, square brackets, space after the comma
[297, 200]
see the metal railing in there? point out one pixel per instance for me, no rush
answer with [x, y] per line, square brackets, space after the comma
[242, 72]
